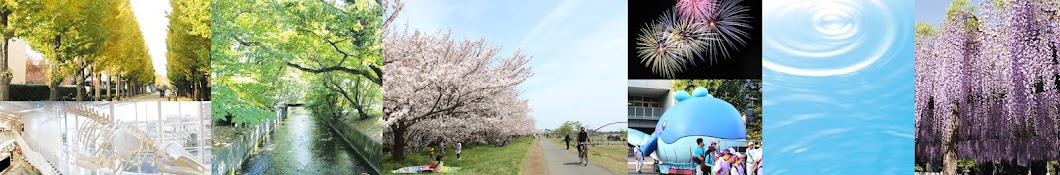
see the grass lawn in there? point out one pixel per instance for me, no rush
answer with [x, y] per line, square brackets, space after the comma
[612, 157]
[477, 159]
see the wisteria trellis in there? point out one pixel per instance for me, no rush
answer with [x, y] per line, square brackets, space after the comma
[990, 77]
[679, 36]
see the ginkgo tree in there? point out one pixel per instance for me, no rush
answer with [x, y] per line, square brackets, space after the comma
[10, 12]
[82, 38]
[67, 33]
[188, 48]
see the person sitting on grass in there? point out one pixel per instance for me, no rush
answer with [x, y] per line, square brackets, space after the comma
[436, 165]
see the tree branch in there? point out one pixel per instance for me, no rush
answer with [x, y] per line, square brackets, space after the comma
[364, 73]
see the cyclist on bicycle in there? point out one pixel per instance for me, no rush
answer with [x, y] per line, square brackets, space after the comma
[583, 140]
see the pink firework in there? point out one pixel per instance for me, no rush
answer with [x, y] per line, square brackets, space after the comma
[696, 10]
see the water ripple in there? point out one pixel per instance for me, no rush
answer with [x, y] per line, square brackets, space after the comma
[826, 37]
[838, 86]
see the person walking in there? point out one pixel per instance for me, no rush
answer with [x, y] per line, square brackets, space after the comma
[738, 167]
[458, 148]
[723, 164]
[567, 139]
[441, 146]
[757, 162]
[638, 157]
[699, 156]
[749, 157]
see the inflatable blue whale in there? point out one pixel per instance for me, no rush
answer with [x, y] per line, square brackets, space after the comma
[694, 116]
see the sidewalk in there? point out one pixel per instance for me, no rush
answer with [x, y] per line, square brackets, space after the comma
[154, 97]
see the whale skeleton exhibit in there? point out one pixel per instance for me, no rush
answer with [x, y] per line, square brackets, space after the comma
[117, 144]
[103, 143]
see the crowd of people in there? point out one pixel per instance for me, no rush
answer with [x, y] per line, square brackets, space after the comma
[728, 161]
[711, 160]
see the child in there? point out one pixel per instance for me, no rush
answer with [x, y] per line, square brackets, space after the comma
[458, 148]
[432, 151]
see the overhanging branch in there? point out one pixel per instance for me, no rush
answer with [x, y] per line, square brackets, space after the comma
[364, 73]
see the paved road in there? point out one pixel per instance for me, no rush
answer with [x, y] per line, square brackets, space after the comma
[561, 161]
[154, 97]
[631, 165]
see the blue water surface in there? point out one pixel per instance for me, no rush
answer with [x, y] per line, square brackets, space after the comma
[838, 86]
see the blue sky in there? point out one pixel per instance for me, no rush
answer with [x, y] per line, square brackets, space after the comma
[577, 50]
[932, 11]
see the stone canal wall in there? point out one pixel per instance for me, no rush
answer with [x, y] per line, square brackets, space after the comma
[228, 159]
[371, 151]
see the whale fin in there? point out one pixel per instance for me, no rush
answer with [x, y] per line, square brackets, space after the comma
[635, 137]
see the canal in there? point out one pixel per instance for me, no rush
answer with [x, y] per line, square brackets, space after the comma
[304, 144]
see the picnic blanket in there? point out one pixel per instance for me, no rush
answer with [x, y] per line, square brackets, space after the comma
[423, 169]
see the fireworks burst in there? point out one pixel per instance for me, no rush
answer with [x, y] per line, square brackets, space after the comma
[667, 44]
[696, 10]
[693, 29]
[729, 22]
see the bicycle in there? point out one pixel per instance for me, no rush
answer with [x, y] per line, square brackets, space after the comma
[583, 154]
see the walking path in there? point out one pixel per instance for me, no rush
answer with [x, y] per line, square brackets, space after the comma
[561, 161]
[154, 97]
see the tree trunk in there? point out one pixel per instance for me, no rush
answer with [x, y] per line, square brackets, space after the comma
[53, 90]
[397, 150]
[53, 84]
[949, 144]
[79, 85]
[118, 90]
[195, 91]
[110, 88]
[99, 82]
[5, 73]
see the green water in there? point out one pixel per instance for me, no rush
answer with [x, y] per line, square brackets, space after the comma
[304, 145]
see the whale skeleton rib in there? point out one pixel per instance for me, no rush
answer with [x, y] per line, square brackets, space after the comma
[115, 146]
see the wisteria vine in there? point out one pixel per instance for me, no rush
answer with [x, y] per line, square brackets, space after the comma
[987, 78]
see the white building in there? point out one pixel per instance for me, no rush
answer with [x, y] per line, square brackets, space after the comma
[647, 101]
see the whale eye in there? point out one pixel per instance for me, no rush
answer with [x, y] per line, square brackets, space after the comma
[663, 126]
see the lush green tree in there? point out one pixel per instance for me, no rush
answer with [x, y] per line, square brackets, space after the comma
[351, 32]
[742, 94]
[82, 38]
[568, 128]
[10, 11]
[335, 47]
[188, 45]
[67, 33]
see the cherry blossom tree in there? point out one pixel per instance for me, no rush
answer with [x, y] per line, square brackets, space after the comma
[441, 87]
